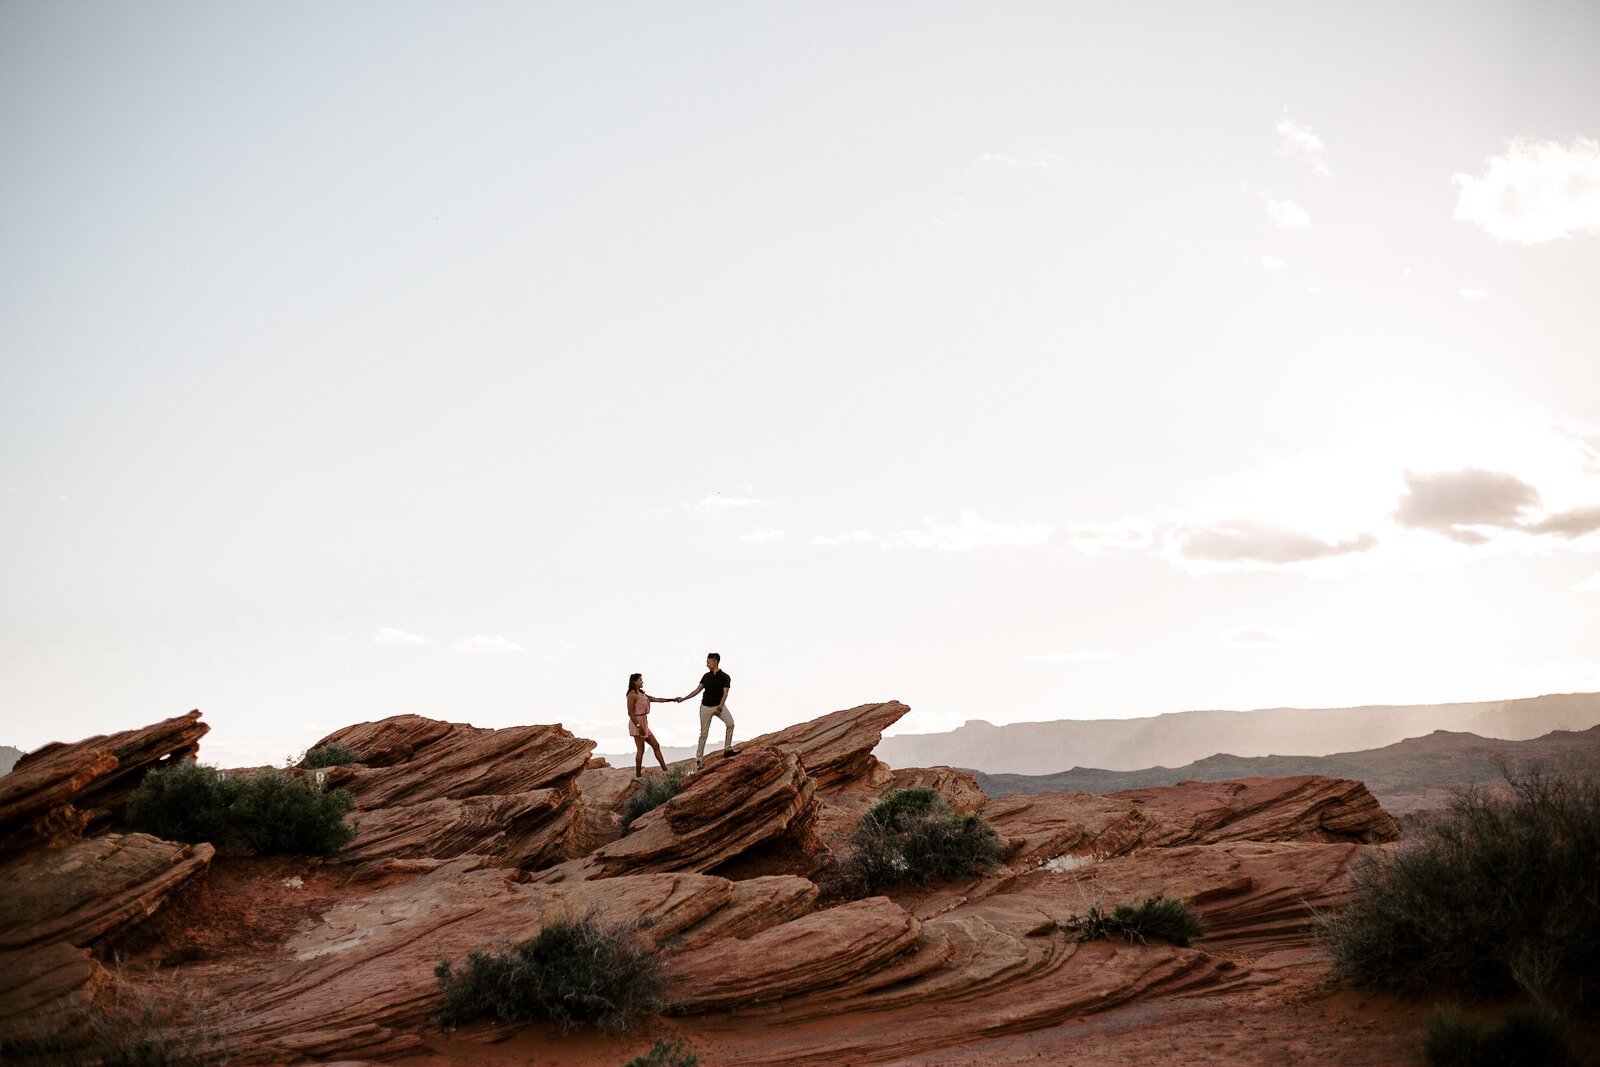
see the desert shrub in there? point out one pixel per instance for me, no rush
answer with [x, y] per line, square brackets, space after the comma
[1161, 917]
[651, 794]
[152, 1023]
[1525, 1035]
[276, 811]
[330, 755]
[574, 971]
[265, 812]
[905, 806]
[1499, 894]
[665, 1053]
[184, 801]
[911, 836]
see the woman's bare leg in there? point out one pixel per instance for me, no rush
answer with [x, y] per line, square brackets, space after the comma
[638, 756]
[655, 746]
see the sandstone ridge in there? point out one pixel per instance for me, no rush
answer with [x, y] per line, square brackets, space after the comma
[471, 837]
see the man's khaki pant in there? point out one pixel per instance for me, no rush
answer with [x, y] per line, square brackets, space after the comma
[707, 713]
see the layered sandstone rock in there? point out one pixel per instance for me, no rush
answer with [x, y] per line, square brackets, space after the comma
[427, 760]
[1304, 808]
[60, 790]
[516, 830]
[760, 795]
[356, 983]
[836, 749]
[430, 789]
[57, 904]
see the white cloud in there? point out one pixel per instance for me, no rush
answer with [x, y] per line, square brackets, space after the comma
[1082, 655]
[1039, 160]
[1534, 191]
[1130, 533]
[1590, 584]
[1474, 294]
[1256, 636]
[1288, 215]
[488, 643]
[719, 502]
[1302, 143]
[1463, 504]
[973, 532]
[764, 536]
[1250, 544]
[1272, 263]
[853, 537]
[388, 635]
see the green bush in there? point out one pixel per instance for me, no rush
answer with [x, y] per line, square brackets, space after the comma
[911, 836]
[276, 811]
[1499, 894]
[1525, 1036]
[904, 806]
[264, 812]
[1161, 917]
[665, 1053]
[182, 802]
[330, 755]
[651, 794]
[574, 971]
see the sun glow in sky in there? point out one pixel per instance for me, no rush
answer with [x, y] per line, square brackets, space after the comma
[1014, 361]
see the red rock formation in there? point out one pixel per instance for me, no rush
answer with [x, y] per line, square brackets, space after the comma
[58, 903]
[61, 789]
[959, 789]
[757, 796]
[457, 762]
[515, 830]
[449, 812]
[1306, 808]
[836, 749]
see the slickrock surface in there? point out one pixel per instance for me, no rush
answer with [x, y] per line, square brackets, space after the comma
[57, 791]
[1043, 826]
[454, 818]
[820, 950]
[836, 749]
[430, 789]
[353, 984]
[423, 762]
[736, 804]
[959, 789]
[516, 830]
[57, 903]
[1306, 808]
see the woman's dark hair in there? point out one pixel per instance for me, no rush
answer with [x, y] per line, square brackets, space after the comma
[633, 680]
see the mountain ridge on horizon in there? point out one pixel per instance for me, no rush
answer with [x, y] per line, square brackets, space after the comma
[1410, 775]
[1176, 739]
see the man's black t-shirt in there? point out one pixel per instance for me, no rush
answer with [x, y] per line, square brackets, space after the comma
[716, 685]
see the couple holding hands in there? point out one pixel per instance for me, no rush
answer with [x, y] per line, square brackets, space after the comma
[714, 684]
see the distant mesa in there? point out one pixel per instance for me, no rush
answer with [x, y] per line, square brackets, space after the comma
[1182, 738]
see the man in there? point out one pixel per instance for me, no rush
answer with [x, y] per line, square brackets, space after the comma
[714, 704]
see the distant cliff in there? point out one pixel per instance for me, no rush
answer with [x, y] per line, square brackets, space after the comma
[1184, 737]
[8, 758]
[1415, 774]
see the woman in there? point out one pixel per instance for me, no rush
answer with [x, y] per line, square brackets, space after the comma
[639, 723]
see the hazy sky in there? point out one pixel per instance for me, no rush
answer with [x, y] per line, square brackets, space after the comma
[1016, 361]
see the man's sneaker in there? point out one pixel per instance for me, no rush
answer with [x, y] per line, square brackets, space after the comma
[730, 752]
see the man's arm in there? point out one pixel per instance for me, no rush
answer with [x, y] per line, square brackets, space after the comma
[696, 690]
